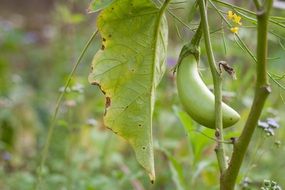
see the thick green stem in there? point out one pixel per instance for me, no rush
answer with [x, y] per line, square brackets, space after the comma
[262, 91]
[257, 4]
[217, 79]
[220, 151]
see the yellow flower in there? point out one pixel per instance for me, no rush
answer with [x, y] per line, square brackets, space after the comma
[237, 19]
[234, 30]
[230, 15]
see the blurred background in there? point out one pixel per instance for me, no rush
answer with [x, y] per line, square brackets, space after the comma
[39, 44]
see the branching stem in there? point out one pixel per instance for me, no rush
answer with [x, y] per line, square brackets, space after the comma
[257, 4]
[262, 91]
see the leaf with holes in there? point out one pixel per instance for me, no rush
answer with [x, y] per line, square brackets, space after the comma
[128, 68]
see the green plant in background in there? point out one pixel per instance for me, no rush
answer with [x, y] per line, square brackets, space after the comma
[79, 153]
[129, 67]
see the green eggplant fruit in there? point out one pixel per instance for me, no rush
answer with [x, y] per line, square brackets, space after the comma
[197, 100]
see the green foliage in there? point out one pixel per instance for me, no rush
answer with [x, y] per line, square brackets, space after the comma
[35, 61]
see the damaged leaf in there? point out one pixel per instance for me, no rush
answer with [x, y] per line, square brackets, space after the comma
[128, 68]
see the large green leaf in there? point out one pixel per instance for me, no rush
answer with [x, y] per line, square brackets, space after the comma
[128, 68]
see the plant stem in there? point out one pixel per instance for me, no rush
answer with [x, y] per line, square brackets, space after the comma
[257, 4]
[217, 79]
[193, 46]
[262, 91]
[53, 120]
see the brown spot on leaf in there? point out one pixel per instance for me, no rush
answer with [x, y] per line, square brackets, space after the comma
[107, 104]
[112, 130]
[110, 35]
[102, 47]
[104, 40]
[97, 84]
[108, 99]
[94, 83]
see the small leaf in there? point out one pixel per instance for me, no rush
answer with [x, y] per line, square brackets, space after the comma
[98, 5]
